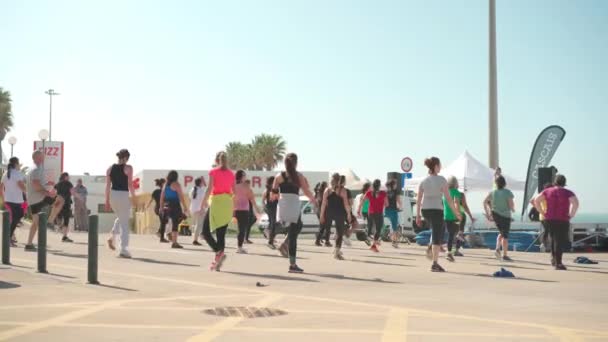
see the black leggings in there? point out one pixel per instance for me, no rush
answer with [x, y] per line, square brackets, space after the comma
[65, 213]
[163, 224]
[174, 212]
[376, 220]
[452, 232]
[340, 221]
[220, 244]
[15, 211]
[252, 220]
[324, 230]
[272, 224]
[293, 231]
[434, 217]
[559, 238]
[242, 219]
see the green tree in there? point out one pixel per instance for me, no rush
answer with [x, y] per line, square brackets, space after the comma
[6, 116]
[268, 150]
[239, 156]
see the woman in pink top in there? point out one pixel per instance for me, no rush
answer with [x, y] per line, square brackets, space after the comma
[243, 198]
[562, 205]
[221, 208]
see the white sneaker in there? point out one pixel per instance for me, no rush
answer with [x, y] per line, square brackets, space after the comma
[347, 242]
[241, 250]
[124, 254]
[338, 255]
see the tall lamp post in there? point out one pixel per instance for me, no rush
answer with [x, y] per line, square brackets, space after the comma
[43, 135]
[51, 93]
[12, 141]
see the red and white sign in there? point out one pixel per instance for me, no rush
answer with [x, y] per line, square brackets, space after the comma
[53, 160]
[407, 164]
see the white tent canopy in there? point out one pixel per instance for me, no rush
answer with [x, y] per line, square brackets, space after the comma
[472, 175]
[353, 182]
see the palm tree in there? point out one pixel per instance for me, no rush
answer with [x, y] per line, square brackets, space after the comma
[239, 156]
[268, 151]
[6, 116]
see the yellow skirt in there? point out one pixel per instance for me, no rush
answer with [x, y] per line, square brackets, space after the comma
[221, 211]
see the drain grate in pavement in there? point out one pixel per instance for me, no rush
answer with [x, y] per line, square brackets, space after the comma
[244, 311]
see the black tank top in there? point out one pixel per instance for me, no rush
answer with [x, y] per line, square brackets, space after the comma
[335, 204]
[120, 181]
[288, 187]
[392, 199]
[270, 204]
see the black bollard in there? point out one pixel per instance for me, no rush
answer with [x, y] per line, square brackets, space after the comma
[42, 219]
[6, 238]
[93, 249]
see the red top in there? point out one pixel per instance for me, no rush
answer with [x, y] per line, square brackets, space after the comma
[223, 181]
[558, 204]
[376, 204]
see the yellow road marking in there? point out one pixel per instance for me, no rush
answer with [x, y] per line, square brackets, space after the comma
[395, 328]
[337, 301]
[219, 328]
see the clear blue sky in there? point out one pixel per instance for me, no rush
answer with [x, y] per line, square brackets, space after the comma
[355, 84]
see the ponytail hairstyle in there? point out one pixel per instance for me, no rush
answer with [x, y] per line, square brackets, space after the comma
[63, 176]
[269, 184]
[376, 187]
[12, 164]
[197, 184]
[291, 162]
[500, 182]
[171, 177]
[123, 156]
[335, 182]
[431, 163]
[221, 160]
[159, 182]
[240, 174]
[365, 188]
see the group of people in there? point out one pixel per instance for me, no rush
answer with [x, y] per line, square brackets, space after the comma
[229, 196]
[20, 192]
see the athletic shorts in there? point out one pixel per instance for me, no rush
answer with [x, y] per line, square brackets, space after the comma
[503, 224]
[38, 207]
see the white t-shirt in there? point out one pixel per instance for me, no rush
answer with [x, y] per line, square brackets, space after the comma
[195, 203]
[12, 192]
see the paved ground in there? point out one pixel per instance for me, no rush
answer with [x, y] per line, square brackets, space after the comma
[162, 295]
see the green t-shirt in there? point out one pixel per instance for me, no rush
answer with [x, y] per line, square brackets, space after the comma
[500, 202]
[448, 215]
[365, 208]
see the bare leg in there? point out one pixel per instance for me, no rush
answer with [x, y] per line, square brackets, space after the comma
[505, 246]
[56, 208]
[436, 249]
[33, 229]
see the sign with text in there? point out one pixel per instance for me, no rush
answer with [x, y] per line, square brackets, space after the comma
[53, 160]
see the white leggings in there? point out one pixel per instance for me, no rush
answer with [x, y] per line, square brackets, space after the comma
[197, 221]
[121, 205]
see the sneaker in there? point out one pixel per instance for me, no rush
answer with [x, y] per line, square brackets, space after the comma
[450, 257]
[429, 253]
[347, 242]
[111, 244]
[241, 250]
[124, 254]
[66, 239]
[374, 248]
[328, 244]
[196, 243]
[213, 266]
[318, 243]
[338, 255]
[176, 245]
[295, 269]
[560, 267]
[168, 236]
[458, 254]
[13, 244]
[283, 249]
[271, 246]
[249, 242]
[395, 244]
[219, 260]
[30, 248]
[437, 268]
[506, 258]
[163, 240]
[497, 254]
[368, 242]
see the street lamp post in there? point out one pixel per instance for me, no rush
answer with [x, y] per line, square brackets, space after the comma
[51, 93]
[12, 141]
[493, 96]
